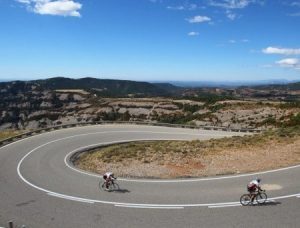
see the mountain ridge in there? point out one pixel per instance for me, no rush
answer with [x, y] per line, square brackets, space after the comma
[104, 87]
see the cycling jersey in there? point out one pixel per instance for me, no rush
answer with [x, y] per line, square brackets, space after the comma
[108, 176]
[253, 185]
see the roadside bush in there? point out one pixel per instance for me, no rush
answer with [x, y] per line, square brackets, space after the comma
[191, 108]
[215, 108]
[294, 120]
[270, 121]
[288, 105]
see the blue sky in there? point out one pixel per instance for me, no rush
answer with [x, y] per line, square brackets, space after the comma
[150, 39]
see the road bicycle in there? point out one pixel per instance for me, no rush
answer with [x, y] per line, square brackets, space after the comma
[112, 185]
[260, 198]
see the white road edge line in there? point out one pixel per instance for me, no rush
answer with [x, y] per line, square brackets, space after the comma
[135, 180]
[230, 205]
[71, 198]
[133, 204]
[146, 207]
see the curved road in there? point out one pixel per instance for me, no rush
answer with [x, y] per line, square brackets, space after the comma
[39, 188]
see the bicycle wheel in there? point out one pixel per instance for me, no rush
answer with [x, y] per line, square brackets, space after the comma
[245, 199]
[102, 185]
[115, 186]
[261, 198]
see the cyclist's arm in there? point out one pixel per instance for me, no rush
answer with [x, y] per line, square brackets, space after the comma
[259, 188]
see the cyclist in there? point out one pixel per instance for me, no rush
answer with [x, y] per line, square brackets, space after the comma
[108, 177]
[253, 187]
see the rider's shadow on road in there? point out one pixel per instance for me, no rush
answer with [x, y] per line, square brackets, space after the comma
[120, 190]
[270, 203]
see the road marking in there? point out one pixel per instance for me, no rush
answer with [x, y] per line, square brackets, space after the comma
[133, 204]
[73, 136]
[146, 207]
[135, 180]
[70, 198]
[229, 205]
[283, 197]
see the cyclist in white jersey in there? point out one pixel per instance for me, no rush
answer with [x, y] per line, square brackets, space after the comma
[108, 177]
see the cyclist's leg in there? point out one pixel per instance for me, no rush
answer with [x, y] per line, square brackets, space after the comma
[252, 194]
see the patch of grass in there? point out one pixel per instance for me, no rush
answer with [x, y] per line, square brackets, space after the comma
[8, 133]
[175, 151]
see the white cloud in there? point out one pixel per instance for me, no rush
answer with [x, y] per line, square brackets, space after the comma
[238, 41]
[230, 15]
[294, 14]
[24, 1]
[245, 40]
[176, 7]
[230, 6]
[199, 19]
[295, 4]
[233, 4]
[289, 62]
[192, 7]
[53, 7]
[183, 7]
[281, 51]
[193, 34]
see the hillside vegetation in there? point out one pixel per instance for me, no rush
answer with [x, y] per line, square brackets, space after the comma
[51, 102]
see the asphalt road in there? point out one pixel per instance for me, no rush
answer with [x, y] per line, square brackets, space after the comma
[39, 187]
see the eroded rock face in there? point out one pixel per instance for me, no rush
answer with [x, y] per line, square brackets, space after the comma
[34, 108]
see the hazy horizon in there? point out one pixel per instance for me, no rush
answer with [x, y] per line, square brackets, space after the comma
[188, 83]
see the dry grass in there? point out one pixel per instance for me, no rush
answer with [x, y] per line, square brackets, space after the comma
[272, 149]
[8, 133]
[80, 91]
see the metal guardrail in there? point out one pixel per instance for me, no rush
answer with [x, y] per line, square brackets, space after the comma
[42, 130]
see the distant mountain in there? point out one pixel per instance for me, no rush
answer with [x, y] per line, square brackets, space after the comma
[226, 84]
[289, 86]
[104, 87]
[167, 86]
